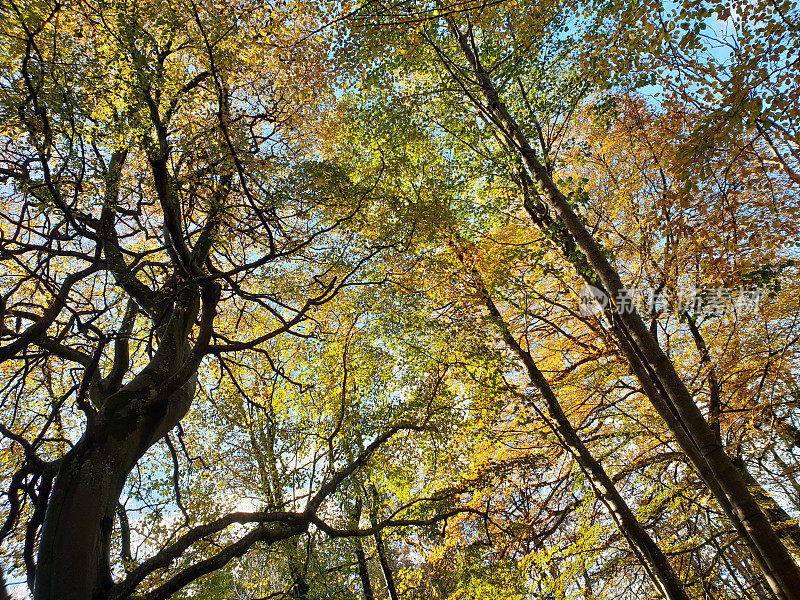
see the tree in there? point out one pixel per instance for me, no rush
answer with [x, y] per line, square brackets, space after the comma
[478, 33]
[654, 370]
[290, 300]
[153, 158]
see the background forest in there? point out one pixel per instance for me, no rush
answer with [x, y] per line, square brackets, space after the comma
[400, 300]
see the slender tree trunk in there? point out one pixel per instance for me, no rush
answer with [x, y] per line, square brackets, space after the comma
[125, 537]
[386, 568]
[686, 422]
[363, 570]
[647, 552]
[380, 548]
[361, 557]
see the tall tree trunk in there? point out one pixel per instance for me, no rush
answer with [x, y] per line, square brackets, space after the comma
[785, 526]
[647, 552]
[361, 557]
[661, 383]
[380, 548]
[300, 587]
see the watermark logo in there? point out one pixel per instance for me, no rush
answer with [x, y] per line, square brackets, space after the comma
[592, 300]
[709, 301]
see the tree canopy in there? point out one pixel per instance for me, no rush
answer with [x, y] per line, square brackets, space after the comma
[405, 300]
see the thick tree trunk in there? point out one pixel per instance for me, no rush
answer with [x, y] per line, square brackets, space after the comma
[300, 587]
[4, 595]
[663, 385]
[74, 548]
[785, 526]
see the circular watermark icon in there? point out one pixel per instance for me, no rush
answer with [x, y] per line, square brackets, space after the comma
[592, 300]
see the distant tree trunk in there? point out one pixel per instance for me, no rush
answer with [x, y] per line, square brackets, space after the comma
[363, 570]
[297, 569]
[380, 548]
[361, 557]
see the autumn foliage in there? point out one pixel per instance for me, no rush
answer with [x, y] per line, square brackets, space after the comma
[293, 300]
